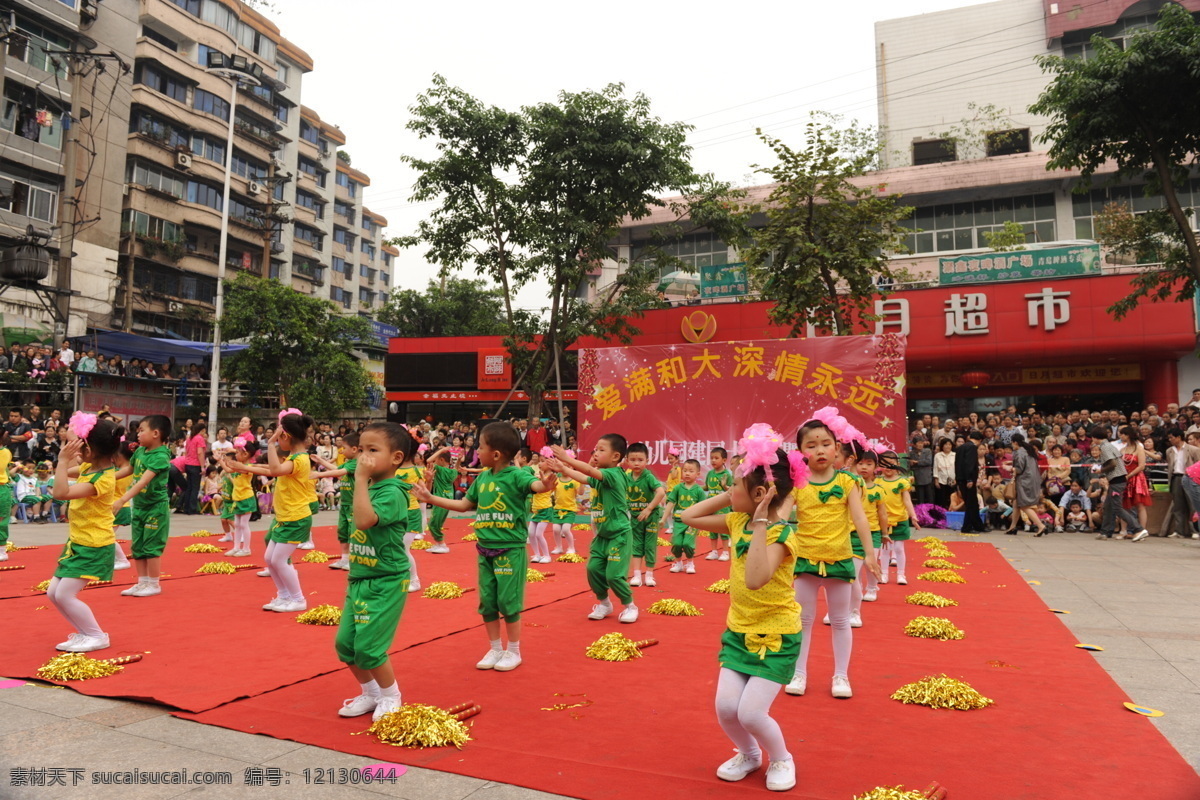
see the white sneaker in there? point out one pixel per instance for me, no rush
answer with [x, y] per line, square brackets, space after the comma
[571, 552]
[841, 687]
[491, 659]
[677, 567]
[288, 606]
[86, 644]
[712, 555]
[386, 705]
[3, 553]
[244, 552]
[307, 545]
[649, 580]
[1058, 528]
[724, 555]
[883, 578]
[825, 621]
[69, 643]
[901, 580]
[690, 569]
[628, 614]
[556, 551]
[357, 706]
[117, 565]
[797, 685]
[636, 580]
[414, 586]
[601, 610]
[440, 547]
[275, 601]
[508, 661]
[264, 573]
[738, 767]
[870, 596]
[147, 590]
[546, 559]
[1142, 534]
[225, 538]
[892, 563]
[856, 620]
[233, 552]
[341, 563]
[132, 590]
[781, 775]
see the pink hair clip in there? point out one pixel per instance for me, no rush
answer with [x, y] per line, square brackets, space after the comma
[759, 446]
[283, 412]
[81, 423]
[546, 452]
[673, 451]
[422, 448]
[842, 430]
[799, 468]
[240, 442]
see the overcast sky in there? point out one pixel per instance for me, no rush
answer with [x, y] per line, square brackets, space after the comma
[764, 64]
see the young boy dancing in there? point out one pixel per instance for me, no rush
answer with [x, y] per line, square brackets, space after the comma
[500, 497]
[718, 481]
[646, 494]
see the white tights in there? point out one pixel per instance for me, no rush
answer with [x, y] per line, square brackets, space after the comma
[563, 530]
[241, 532]
[743, 706]
[537, 539]
[409, 538]
[866, 582]
[64, 594]
[287, 580]
[897, 550]
[837, 595]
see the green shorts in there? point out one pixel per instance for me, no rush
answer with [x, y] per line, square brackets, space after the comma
[414, 520]
[297, 531]
[87, 563]
[844, 570]
[901, 531]
[30, 500]
[544, 515]
[314, 506]
[345, 527]
[772, 656]
[563, 515]
[123, 517]
[502, 585]
[856, 545]
[644, 537]
[247, 506]
[369, 619]
[227, 510]
[150, 529]
[722, 536]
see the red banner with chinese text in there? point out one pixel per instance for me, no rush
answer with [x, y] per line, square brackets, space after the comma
[698, 396]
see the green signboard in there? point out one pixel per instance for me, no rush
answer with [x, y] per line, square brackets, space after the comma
[1020, 265]
[723, 280]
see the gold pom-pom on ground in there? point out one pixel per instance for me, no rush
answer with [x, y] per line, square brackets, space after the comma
[942, 576]
[324, 614]
[471, 537]
[942, 692]
[719, 587]
[571, 558]
[76, 667]
[443, 590]
[534, 576]
[891, 793]
[418, 725]
[940, 563]
[929, 541]
[421, 544]
[933, 628]
[202, 534]
[670, 607]
[940, 552]
[613, 647]
[929, 599]
[581, 527]
[314, 557]
[43, 586]
[663, 542]
[217, 568]
[201, 547]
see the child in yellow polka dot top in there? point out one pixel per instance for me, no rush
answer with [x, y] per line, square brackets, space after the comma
[762, 636]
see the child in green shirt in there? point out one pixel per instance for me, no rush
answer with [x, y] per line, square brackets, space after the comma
[345, 476]
[718, 480]
[440, 478]
[684, 496]
[646, 494]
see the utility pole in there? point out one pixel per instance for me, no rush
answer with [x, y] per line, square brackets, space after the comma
[68, 207]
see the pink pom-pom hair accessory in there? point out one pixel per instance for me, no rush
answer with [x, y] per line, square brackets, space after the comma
[843, 431]
[285, 411]
[759, 447]
[673, 451]
[799, 468]
[546, 452]
[81, 423]
[240, 442]
[422, 448]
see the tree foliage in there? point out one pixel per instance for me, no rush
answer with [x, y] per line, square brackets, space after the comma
[1136, 109]
[457, 307]
[823, 249]
[298, 343]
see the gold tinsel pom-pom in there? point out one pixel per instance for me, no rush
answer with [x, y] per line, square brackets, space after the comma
[9, 547]
[76, 667]
[719, 587]
[939, 563]
[663, 542]
[216, 568]
[940, 552]
[471, 537]
[942, 576]
[942, 692]
[314, 557]
[201, 547]
[418, 725]
[43, 586]
[613, 647]
[201, 534]
[891, 793]
[929, 599]
[571, 558]
[933, 628]
[324, 614]
[443, 590]
[581, 527]
[930, 541]
[670, 607]
[533, 576]
[421, 544]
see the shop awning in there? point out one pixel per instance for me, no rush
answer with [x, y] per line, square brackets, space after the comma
[157, 349]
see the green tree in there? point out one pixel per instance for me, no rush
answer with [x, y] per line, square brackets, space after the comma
[298, 344]
[826, 238]
[1135, 108]
[455, 307]
[1010, 237]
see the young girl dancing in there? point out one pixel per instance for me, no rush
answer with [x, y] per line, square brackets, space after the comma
[288, 462]
[542, 516]
[762, 637]
[410, 475]
[123, 517]
[242, 500]
[827, 506]
[897, 495]
[88, 554]
[866, 587]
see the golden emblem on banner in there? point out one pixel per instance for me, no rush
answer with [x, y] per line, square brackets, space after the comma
[698, 327]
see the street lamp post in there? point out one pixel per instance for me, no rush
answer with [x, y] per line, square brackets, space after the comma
[238, 69]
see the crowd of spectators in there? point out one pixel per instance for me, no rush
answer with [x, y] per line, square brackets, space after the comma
[39, 361]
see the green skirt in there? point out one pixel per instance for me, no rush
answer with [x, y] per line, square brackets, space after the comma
[901, 531]
[545, 515]
[770, 656]
[86, 563]
[856, 545]
[844, 570]
[247, 506]
[562, 515]
[227, 510]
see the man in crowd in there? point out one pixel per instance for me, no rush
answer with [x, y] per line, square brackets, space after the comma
[536, 437]
[966, 475]
[19, 434]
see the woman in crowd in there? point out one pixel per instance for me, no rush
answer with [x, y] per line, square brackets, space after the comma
[1028, 479]
[1137, 488]
[194, 458]
[943, 472]
[920, 460]
[1058, 473]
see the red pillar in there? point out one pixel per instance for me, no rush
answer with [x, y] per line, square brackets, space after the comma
[1160, 383]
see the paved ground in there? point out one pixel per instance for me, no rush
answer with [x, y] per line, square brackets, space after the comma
[1138, 601]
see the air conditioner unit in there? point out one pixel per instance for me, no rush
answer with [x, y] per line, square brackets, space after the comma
[277, 247]
[183, 160]
[174, 306]
[254, 188]
[125, 190]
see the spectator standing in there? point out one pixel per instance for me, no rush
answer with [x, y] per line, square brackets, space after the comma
[536, 437]
[966, 474]
[1112, 468]
[1028, 478]
[194, 456]
[19, 434]
[1185, 494]
[66, 355]
[943, 472]
[920, 460]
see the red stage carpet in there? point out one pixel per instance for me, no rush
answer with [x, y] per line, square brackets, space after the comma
[646, 728]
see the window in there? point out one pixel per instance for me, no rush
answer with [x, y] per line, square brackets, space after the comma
[143, 224]
[162, 39]
[339, 295]
[282, 73]
[245, 213]
[933, 151]
[340, 265]
[166, 83]
[169, 281]
[344, 209]
[1089, 204]
[385, 279]
[387, 259]
[154, 177]
[1005, 143]
[367, 248]
[347, 183]
[308, 133]
[21, 109]
[202, 51]
[310, 167]
[343, 236]
[960, 226]
[695, 250]
[209, 149]
[31, 198]
[30, 43]
[69, 3]
[249, 168]
[368, 225]
[219, 15]
[190, 6]
[366, 296]
[281, 112]
[162, 132]
[308, 269]
[310, 235]
[209, 103]
[203, 194]
[310, 201]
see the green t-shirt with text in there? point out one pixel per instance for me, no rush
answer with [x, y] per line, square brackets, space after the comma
[443, 481]
[641, 494]
[157, 461]
[712, 485]
[380, 550]
[502, 506]
[346, 487]
[684, 496]
[610, 508]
